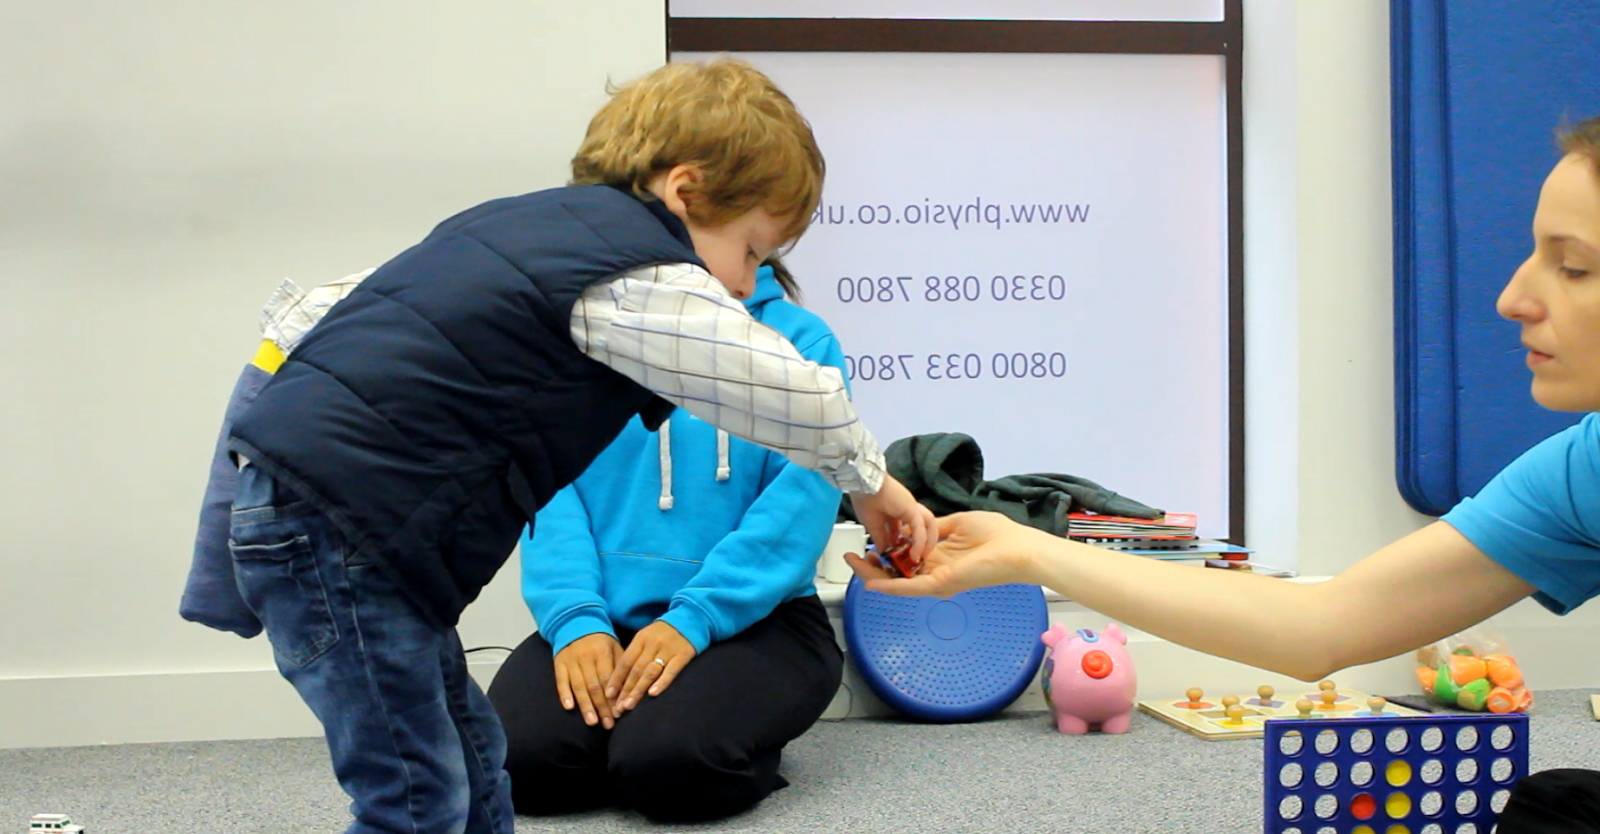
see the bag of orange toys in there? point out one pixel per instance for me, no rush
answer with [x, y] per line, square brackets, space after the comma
[1473, 670]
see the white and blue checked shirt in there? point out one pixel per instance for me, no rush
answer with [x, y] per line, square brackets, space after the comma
[677, 331]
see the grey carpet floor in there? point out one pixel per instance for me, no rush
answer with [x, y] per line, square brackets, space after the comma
[1013, 773]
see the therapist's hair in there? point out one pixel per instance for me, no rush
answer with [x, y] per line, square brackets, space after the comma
[751, 145]
[1583, 139]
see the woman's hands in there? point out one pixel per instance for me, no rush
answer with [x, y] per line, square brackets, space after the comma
[653, 660]
[581, 671]
[595, 675]
[972, 550]
[891, 513]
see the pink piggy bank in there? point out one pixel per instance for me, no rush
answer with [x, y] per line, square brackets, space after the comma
[1088, 679]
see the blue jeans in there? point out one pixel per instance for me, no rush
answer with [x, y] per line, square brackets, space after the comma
[414, 741]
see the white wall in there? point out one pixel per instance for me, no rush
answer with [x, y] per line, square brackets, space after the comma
[1319, 301]
[1271, 315]
[163, 164]
[1348, 504]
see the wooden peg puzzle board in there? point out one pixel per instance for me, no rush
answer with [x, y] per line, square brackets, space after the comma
[1212, 724]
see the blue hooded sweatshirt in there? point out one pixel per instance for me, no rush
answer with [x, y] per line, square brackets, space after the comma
[687, 525]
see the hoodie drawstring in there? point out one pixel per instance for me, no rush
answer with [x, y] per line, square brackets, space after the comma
[665, 432]
[664, 438]
[764, 283]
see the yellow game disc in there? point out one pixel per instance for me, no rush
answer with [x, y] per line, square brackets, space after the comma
[1398, 773]
[1398, 806]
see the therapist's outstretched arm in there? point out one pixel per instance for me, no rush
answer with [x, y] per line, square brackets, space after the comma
[1424, 587]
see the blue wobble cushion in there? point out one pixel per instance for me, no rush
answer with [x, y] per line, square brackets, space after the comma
[947, 660]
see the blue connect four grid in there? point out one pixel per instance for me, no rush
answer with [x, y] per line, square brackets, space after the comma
[1444, 774]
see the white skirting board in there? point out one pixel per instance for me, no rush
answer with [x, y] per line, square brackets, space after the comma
[1555, 653]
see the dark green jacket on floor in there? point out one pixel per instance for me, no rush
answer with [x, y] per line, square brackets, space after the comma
[945, 472]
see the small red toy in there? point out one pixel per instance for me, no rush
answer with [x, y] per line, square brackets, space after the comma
[900, 559]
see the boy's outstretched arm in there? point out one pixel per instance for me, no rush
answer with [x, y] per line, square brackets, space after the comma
[1424, 587]
[677, 331]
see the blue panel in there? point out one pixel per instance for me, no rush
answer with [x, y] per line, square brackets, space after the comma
[1510, 85]
[947, 660]
[1341, 773]
[1424, 340]
[1478, 89]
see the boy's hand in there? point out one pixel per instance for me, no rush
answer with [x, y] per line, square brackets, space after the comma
[640, 667]
[893, 513]
[975, 550]
[581, 670]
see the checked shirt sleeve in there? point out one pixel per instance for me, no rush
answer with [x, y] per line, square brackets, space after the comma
[677, 331]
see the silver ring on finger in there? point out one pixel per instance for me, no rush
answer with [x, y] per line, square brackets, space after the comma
[660, 661]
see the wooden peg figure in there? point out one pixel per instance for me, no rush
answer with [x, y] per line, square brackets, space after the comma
[1375, 704]
[1235, 714]
[1304, 706]
[1264, 695]
[1229, 700]
[1328, 697]
[1327, 686]
[1193, 694]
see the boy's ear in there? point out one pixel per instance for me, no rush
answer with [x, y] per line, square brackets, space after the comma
[690, 173]
[669, 187]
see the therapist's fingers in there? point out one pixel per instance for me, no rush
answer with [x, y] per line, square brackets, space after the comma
[867, 569]
[941, 582]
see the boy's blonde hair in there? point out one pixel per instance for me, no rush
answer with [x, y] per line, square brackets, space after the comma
[724, 117]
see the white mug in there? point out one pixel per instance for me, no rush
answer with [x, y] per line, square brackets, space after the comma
[846, 538]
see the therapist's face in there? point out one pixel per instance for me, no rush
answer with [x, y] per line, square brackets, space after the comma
[1555, 294]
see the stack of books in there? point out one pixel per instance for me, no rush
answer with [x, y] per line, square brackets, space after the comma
[1171, 538]
[1120, 532]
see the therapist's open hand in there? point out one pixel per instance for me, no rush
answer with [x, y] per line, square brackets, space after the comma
[975, 550]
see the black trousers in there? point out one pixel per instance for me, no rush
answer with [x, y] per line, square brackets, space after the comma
[1553, 802]
[706, 748]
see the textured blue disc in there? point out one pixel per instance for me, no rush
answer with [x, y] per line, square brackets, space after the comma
[958, 659]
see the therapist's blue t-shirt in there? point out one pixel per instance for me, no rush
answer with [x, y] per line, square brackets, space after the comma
[1540, 517]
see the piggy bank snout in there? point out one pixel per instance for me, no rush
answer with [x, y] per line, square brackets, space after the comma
[1097, 664]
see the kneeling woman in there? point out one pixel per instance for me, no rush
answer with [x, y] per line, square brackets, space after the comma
[681, 644]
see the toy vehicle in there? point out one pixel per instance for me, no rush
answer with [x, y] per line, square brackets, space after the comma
[52, 823]
[899, 558]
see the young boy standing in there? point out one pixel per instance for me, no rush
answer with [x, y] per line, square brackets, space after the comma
[392, 462]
